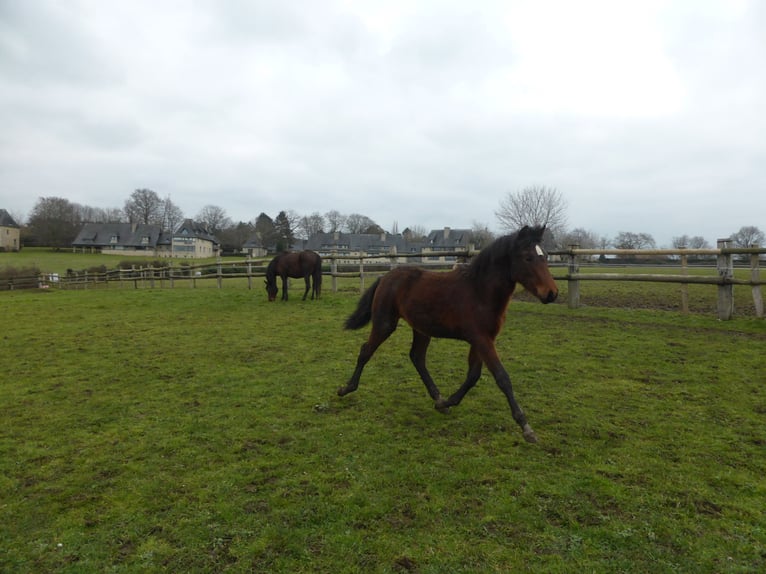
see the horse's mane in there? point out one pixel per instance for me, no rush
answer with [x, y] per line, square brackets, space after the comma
[271, 268]
[497, 255]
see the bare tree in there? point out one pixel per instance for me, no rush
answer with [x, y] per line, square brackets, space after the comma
[535, 205]
[310, 225]
[213, 218]
[581, 237]
[630, 240]
[415, 232]
[144, 206]
[686, 242]
[172, 216]
[358, 223]
[481, 236]
[335, 220]
[748, 236]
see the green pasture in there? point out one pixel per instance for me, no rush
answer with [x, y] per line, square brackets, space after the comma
[198, 430]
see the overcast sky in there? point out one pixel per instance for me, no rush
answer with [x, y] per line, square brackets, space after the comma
[647, 116]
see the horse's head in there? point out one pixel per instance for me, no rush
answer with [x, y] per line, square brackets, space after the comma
[271, 288]
[530, 266]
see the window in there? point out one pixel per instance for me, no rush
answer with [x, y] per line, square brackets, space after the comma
[114, 239]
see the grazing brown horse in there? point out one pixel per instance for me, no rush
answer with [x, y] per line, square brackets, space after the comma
[306, 264]
[467, 303]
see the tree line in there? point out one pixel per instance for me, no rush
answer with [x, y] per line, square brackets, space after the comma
[55, 222]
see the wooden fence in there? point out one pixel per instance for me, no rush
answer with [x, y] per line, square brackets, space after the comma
[365, 266]
[724, 278]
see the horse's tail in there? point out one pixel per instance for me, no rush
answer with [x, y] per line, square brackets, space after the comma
[363, 313]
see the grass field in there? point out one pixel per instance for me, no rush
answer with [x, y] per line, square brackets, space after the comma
[198, 430]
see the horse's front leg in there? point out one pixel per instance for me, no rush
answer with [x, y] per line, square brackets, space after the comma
[418, 350]
[490, 358]
[474, 372]
[285, 281]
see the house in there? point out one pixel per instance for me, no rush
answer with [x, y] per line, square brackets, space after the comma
[121, 239]
[446, 239]
[254, 247]
[10, 232]
[352, 245]
[390, 247]
[190, 240]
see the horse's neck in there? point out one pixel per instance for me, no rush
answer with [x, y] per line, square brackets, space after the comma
[496, 291]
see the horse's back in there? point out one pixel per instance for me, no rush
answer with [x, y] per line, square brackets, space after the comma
[414, 286]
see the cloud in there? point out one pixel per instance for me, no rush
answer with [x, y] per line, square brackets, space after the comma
[425, 113]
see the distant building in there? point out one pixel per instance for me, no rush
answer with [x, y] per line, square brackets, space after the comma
[120, 239]
[254, 247]
[447, 239]
[190, 240]
[10, 232]
[352, 245]
[390, 246]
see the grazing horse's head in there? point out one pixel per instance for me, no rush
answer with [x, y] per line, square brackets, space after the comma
[271, 288]
[529, 265]
[271, 279]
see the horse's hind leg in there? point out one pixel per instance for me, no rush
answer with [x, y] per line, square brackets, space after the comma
[376, 338]
[474, 372]
[418, 350]
[308, 286]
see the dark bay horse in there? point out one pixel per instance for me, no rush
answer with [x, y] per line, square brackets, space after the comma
[306, 264]
[467, 303]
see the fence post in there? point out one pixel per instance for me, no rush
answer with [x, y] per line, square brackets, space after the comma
[755, 259]
[361, 273]
[219, 272]
[573, 285]
[334, 270]
[725, 287]
[249, 273]
[684, 286]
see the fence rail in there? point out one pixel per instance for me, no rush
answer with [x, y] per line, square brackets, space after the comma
[364, 266]
[724, 279]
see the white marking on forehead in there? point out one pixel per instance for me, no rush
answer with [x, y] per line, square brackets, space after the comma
[539, 250]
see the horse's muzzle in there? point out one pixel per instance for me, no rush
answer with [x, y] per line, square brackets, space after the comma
[550, 297]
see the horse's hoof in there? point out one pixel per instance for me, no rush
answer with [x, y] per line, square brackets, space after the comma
[442, 406]
[529, 434]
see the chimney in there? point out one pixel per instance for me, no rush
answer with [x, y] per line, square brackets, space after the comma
[446, 233]
[383, 237]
